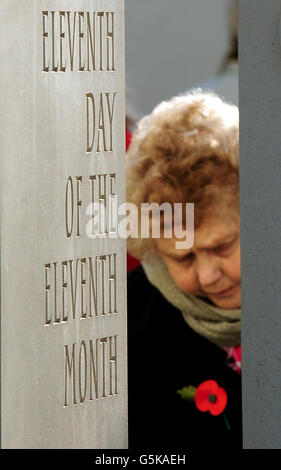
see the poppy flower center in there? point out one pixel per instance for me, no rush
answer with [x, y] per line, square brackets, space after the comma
[212, 398]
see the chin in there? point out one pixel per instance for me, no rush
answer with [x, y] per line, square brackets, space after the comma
[227, 302]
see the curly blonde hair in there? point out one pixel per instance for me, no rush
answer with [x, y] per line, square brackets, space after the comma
[186, 150]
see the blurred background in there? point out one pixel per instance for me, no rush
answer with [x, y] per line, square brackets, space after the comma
[172, 46]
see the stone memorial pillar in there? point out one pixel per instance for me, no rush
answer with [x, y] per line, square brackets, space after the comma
[260, 157]
[63, 269]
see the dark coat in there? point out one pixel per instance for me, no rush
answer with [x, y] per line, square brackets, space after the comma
[164, 355]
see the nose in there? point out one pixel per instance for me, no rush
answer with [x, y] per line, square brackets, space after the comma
[208, 270]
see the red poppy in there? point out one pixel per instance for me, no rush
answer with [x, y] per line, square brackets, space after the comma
[210, 397]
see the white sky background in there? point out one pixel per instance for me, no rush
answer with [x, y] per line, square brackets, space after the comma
[171, 45]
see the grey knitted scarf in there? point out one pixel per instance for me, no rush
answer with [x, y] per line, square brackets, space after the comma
[220, 326]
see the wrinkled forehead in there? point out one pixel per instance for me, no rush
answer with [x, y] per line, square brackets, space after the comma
[217, 227]
[183, 214]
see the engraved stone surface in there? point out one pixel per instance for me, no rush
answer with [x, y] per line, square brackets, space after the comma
[63, 274]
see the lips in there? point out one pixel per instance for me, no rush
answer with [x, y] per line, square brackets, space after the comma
[223, 293]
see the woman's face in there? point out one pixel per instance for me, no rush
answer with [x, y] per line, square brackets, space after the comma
[211, 268]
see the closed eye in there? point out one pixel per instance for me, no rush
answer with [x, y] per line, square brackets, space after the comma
[187, 259]
[224, 248]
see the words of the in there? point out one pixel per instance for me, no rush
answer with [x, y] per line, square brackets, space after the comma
[102, 191]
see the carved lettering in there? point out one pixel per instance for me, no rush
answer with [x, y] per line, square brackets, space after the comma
[48, 319]
[91, 41]
[69, 201]
[45, 36]
[88, 46]
[113, 362]
[70, 371]
[88, 282]
[95, 371]
[82, 372]
[81, 39]
[112, 279]
[78, 204]
[110, 41]
[100, 116]
[54, 67]
[64, 290]
[62, 37]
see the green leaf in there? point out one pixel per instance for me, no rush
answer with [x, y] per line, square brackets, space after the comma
[226, 422]
[187, 393]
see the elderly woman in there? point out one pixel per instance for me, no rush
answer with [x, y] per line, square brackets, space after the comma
[184, 302]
